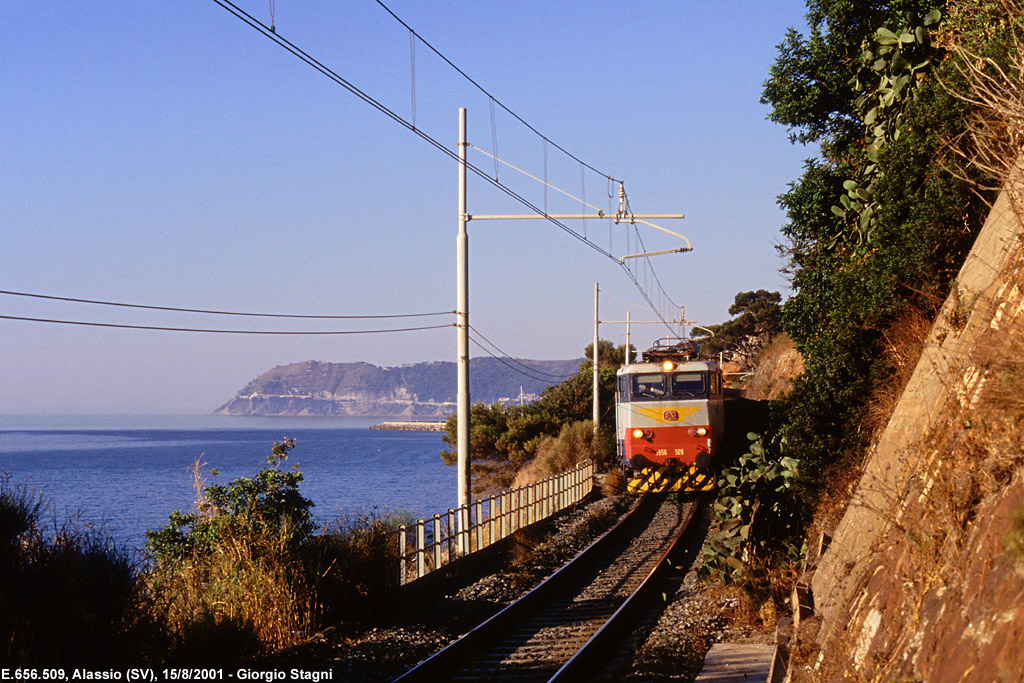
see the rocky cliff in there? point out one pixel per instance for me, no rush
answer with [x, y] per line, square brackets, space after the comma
[924, 576]
[421, 390]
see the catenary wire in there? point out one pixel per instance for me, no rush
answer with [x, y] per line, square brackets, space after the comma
[397, 118]
[654, 272]
[509, 365]
[213, 331]
[311, 61]
[546, 185]
[485, 92]
[529, 175]
[213, 312]
[514, 360]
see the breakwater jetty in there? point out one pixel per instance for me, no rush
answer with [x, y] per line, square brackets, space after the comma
[410, 426]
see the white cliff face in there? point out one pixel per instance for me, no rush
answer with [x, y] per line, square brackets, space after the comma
[303, 406]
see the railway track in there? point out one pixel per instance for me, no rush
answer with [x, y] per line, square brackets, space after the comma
[565, 626]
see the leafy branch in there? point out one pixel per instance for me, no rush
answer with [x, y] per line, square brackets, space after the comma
[758, 512]
[887, 79]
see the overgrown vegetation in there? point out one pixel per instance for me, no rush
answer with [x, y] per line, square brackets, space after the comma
[68, 594]
[882, 132]
[758, 523]
[245, 573]
[880, 220]
[229, 577]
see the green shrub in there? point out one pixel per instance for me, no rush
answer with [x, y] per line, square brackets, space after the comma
[512, 434]
[268, 502]
[244, 574]
[228, 579]
[759, 512]
[877, 222]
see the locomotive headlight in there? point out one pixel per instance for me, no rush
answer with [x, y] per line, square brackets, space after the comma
[697, 431]
[668, 365]
[647, 434]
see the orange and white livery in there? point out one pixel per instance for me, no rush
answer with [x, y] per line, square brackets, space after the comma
[669, 416]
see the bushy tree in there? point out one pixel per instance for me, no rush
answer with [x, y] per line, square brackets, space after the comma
[268, 503]
[877, 223]
[758, 315]
[511, 434]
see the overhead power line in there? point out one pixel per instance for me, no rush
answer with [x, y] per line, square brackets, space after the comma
[498, 160]
[510, 366]
[514, 360]
[267, 32]
[398, 118]
[492, 98]
[215, 331]
[213, 312]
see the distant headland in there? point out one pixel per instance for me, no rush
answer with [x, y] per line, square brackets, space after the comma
[417, 392]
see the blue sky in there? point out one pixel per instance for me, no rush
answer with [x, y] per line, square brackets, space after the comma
[167, 154]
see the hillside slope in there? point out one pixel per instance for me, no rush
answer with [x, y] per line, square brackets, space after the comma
[360, 389]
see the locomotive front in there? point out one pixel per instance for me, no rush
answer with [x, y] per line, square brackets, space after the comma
[669, 419]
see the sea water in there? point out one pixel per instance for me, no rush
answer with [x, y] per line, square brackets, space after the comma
[126, 475]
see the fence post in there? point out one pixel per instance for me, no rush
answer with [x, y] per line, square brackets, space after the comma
[479, 526]
[538, 500]
[544, 484]
[450, 536]
[517, 510]
[464, 531]
[401, 555]
[421, 564]
[531, 502]
[490, 520]
[437, 541]
[506, 500]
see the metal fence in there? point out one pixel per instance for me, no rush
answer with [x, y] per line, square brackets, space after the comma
[431, 544]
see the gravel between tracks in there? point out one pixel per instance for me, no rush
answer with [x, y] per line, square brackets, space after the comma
[381, 648]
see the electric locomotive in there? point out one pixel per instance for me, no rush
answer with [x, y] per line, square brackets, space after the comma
[669, 417]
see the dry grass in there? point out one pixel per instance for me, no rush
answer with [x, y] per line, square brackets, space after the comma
[575, 443]
[245, 597]
[68, 594]
[776, 366]
[995, 136]
[903, 343]
[352, 564]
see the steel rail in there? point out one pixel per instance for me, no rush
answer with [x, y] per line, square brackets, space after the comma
[564, 597]
[593, 653]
